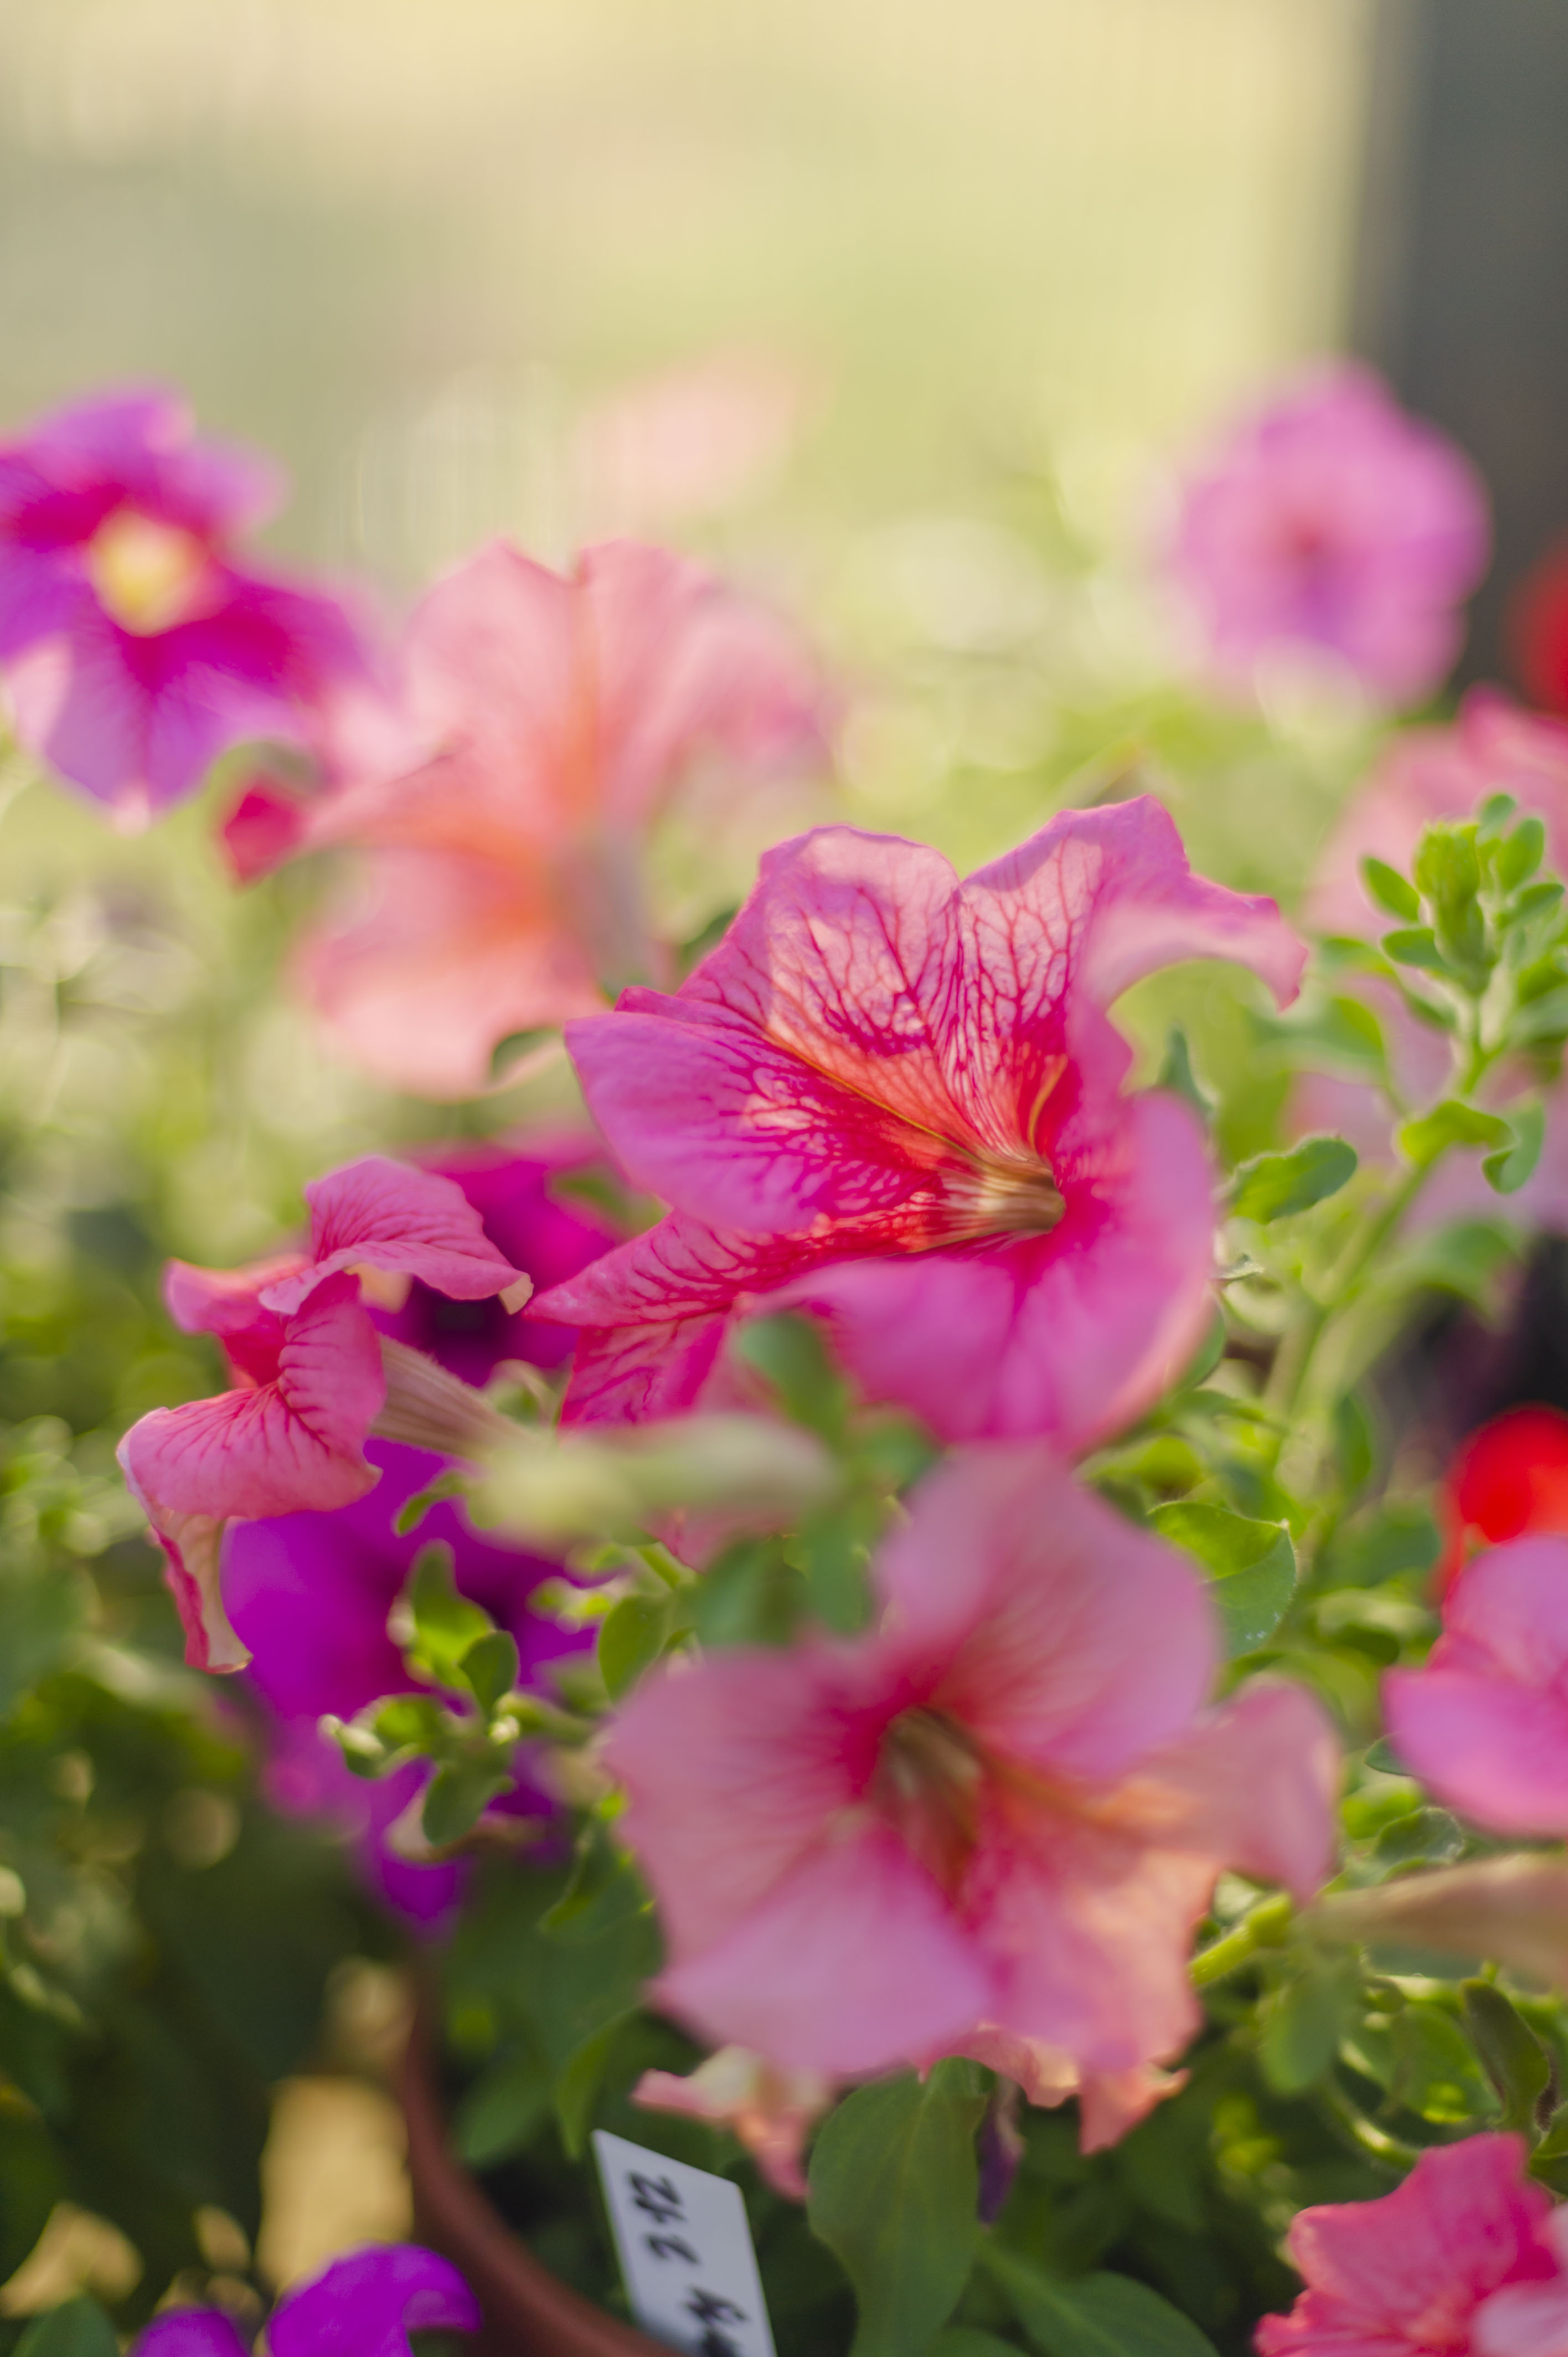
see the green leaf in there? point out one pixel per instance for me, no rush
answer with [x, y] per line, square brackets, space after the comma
[1341, 1033]
[80, 2328]
[1251, 1564]
[1094, 2316]
[411, 1512]
[1467, 1258]
[489, 1668]
[1541, 1020]
[1513, 2057]
[578, 2083]
[631, 1638]
[1354, 1442]
[442, 1625]
[968, 2341]
[789, 1351]
[1430, 1835]
[1178, 1075]
[1507, 1170]
[501, 2111]
[1302, 2026]
[1520, 854]
[457, 1797]
[1450, 1123]
[894, 2185]
[409, 1726]
[1277, 1185]
[1388, 1539]
[1415, 945]
[1390, 890]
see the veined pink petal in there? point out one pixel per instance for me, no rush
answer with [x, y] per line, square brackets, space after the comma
[295, 1441]
[1020, 1587]
[1409, 2271]
[392, 1215]
[1072, 1334]
[849, 1963]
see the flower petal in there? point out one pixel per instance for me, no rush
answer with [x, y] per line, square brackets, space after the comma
[297, 1441]
[394, 1216]
[850, 1963]
[369, 2301]
[1020, 1587]
[191, 2332]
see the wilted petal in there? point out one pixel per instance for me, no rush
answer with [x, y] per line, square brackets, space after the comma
[770, 2111]
[1109, 2102]
[192, 1548]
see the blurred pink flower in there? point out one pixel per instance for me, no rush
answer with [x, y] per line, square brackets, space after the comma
[1413, 2274]
[310, 1374]
[1429, 774]
[691, 440]
[895, 1099]
[1109, 2102]
[501, 887]
[134, 647]
[1530, 2318]
[1331, 522]
[770, 2111]
[1002, 1811]
[1485, 1723]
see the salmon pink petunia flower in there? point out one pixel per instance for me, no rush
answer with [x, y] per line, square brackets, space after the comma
[1415, 2274]
[136, 647]
[1331, 524]
[1002, 1812]
[500, 889]
[896, 1100]
[1485, 1723]
[310, 1374]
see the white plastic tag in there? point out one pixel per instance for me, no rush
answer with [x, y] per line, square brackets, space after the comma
[685, 2252]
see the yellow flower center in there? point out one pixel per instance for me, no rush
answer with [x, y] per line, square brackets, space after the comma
[146, 574]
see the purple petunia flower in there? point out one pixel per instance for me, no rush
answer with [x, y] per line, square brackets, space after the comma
[309, 1594]
[134, 647]
[1331, 523]
[364, 2305]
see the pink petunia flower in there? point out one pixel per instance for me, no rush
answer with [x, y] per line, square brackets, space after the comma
[1484, 1724]
[895, 1099]
[1001, 1813]
[1332, 523]
[310, 1370]
[500, 888]
[135, 648]
[771, 2112]
[1416, 2272]
[1427, 775]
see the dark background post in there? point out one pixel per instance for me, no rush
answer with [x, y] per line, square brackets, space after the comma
[1462, 266]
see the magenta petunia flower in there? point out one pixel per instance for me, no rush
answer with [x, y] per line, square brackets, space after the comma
[309, 1596]
[500, 888]
[895, 1099]
[1427, 775]
[1000, 1813]
[1484, 1724]
[1417, 2271]
[517, 1186]
[1330, 523]
[135, 647]
[364, 2305]
[310, 1374]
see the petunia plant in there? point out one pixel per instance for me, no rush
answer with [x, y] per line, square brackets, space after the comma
[871, 1588]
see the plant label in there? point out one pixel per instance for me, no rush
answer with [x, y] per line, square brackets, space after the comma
[685, 2252]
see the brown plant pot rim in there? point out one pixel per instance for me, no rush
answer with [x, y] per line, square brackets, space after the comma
[528, 2311]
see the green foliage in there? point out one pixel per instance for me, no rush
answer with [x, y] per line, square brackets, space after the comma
[1095, 2315]
[893, 2192]
[78, 2327]
[1251, 1564]
[1278, 1186]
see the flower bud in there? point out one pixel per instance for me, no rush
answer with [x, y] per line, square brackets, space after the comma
[1509, 1911]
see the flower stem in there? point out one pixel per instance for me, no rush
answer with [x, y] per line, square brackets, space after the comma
[1265, 1926]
